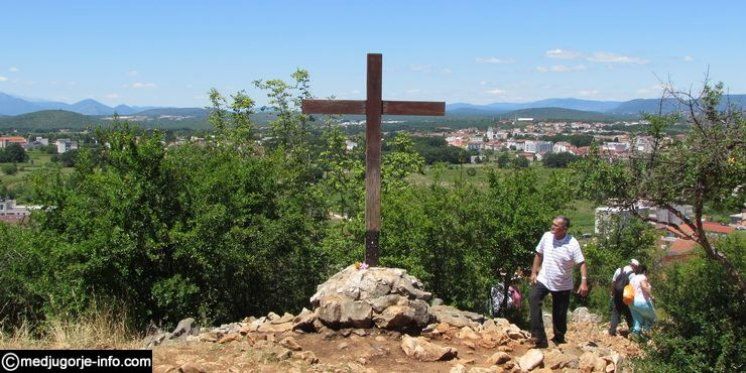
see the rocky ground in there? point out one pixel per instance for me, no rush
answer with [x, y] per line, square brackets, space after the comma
[379, 320]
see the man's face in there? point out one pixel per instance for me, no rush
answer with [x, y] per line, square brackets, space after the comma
[558, 228]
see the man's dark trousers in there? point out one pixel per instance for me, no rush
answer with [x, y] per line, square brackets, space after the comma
[560, 303]
[619, 308]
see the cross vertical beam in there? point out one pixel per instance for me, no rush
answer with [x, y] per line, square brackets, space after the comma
[373, 109]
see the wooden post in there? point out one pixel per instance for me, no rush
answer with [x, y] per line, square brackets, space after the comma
[373, 109]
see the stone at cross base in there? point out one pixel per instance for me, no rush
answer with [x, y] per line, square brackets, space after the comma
[387, 298]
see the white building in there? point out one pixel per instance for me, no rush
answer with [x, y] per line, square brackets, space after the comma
[605, 214]
[644, 145]
[542, 147]
[561, 147]
[616, 146]
[65, 145]
[502, 135]
[665, 216]
[8, 208]
[516, 144]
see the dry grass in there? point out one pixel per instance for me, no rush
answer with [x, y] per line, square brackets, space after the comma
[98, 329]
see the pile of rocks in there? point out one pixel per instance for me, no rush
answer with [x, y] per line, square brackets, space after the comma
[388, 298]
[372, 301]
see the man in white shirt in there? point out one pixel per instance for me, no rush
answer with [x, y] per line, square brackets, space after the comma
[556, 255]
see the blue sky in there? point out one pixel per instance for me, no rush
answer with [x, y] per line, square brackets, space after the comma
[173, 52]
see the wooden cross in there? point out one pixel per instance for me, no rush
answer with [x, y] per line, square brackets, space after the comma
[373, 108]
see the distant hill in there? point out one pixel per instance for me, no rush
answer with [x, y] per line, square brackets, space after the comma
[576, 104]
[13, 105]
[625, 108]
[559, 114]
[194, 112]
[652, 106]
[48, 120]
[504, 107]
[90, 107]
[555, 108]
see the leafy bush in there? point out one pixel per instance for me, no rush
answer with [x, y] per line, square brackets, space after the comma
[619, 240]
[13, 152]
[558, 160]
[10, 168]
[704, 325]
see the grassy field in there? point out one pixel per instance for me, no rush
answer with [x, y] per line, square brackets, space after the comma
[581, 212]
[38, 160]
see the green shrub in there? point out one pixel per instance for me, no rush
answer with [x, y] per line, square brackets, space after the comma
[704, 327]
[10, 169]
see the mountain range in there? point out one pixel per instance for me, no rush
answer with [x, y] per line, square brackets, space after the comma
[612, 108]
[14, 105]
[12, 108]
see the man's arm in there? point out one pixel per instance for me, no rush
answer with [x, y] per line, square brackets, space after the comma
[535, 268]
[583, 289]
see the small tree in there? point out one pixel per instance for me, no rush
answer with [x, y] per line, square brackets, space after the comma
[14, 152]
[558, 160]
[10, 169]
[707, 166]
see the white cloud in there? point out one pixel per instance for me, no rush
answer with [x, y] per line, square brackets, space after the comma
[133, 73]
[3, 79]
[412, 91]
[606, 57]
[355, 91]
[496, 92]
[494, 60]
[138, 85]
[14, 69]
[483, 82]
[688, 58]
[560, 68]
[563, 54]
[112, 96]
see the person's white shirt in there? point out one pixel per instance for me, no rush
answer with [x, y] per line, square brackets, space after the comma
[627, 269]
[637, 286]
[558, 259]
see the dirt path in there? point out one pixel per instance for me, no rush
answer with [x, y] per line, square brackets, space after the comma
[372, 351]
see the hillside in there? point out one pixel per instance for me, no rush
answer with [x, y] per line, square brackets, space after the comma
[194, 112]
[48, 120]
[559, 114]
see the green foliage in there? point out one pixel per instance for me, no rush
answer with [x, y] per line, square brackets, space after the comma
[13, 152]
[461, 239]
[218, 231]
[578, 140]
[558, 160]
[10, 168]
[436, 149]
[66, 159]
[704, 325]
[707, 167]
[41, 120]
[619, 240]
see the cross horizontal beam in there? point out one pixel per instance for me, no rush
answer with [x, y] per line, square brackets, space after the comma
[357, 107]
